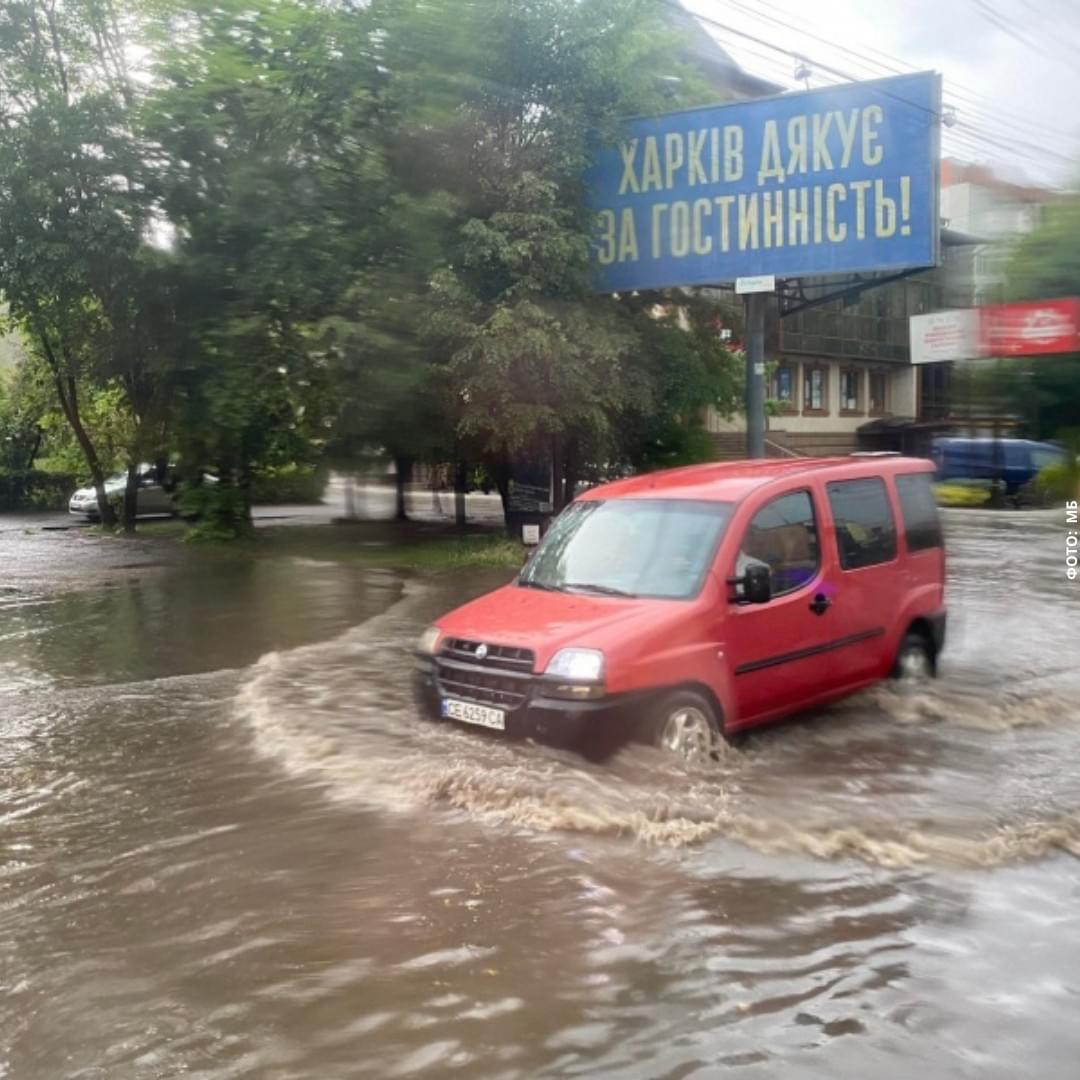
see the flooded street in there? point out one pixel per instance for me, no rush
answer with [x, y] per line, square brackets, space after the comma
[229, 847]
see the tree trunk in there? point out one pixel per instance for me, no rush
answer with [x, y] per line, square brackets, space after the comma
[350, 496]
[33, 452]
[557, 491]
[460, 478]
[131, 497]
[247, 483]
[436, 502]
[500, 470]
[570, 472]
[69, 402]
[67, 394]
[402, 474]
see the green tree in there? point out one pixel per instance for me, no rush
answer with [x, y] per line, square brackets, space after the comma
[1047, 265]
[272, 189]
[76, 214]
[24, 406]
[539, 365]
[684, 368]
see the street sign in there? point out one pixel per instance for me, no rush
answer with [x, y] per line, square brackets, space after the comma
[945, 335]
[836, 180]
[1031, 329]
[761, 283]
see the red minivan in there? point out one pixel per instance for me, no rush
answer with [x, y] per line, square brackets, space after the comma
[686, 605]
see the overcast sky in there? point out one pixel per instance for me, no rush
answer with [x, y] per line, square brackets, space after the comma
[1011, 67]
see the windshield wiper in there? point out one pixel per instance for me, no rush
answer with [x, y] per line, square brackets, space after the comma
[600, 590]
[526, 583]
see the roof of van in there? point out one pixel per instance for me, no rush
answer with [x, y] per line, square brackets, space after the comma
[729, 481]
[988, 440]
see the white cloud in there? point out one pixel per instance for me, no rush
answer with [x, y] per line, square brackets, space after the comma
[1008, 65]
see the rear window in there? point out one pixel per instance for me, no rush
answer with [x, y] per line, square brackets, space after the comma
[865, 529]
[919, 511]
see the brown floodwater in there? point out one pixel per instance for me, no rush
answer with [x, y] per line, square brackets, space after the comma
[229, 847]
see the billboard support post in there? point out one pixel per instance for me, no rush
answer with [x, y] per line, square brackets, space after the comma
[754, 313]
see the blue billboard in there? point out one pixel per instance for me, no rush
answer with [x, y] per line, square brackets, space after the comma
[827, 181]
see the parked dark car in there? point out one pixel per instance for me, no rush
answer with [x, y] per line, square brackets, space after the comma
[1019, 462]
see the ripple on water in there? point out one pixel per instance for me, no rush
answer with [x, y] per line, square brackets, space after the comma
[891, 778]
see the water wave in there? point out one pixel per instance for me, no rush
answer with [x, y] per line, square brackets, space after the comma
[340, 715]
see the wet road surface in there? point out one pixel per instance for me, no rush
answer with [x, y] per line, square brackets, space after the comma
[230, 848]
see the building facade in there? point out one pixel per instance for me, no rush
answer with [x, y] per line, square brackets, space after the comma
[840, 370]
[976, 201]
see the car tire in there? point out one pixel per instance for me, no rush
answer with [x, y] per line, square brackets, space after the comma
[685, 724]
[915, 662]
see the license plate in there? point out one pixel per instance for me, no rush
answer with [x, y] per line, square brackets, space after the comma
[474, 714]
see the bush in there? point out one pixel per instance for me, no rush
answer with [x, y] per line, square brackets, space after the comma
[289, 484]
[1058, 483]
[975, 493]
[219, 512]
[35, 489]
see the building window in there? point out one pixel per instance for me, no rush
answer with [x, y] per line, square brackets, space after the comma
[878, 399]
[851, 391]
[815, 390]
[783, 387]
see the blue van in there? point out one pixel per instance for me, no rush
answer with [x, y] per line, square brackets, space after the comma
[975, 459]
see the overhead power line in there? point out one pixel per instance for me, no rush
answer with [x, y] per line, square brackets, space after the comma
[1023, 149]
[991, 115]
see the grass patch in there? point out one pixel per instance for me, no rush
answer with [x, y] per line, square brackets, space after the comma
[390, 547]
[151, 529]
[448, 553]
[163, 529]
[954, 495]
[395, 545]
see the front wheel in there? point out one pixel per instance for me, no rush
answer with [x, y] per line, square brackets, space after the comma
[685, 724]
[915, 661]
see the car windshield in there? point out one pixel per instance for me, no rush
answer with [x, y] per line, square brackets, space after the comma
[629, 547]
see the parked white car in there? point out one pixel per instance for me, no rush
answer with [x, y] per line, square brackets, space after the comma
[152, 498]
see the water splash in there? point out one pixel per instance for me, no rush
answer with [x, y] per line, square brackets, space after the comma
[339, 715]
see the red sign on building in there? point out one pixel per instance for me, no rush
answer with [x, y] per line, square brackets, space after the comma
[1031, 328]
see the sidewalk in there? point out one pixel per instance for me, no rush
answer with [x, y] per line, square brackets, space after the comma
[377, 502]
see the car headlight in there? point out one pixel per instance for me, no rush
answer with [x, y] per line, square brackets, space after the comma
[581, 665]
[575, 675]
[428, 641]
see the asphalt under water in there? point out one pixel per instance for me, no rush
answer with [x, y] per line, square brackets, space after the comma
[230, 848]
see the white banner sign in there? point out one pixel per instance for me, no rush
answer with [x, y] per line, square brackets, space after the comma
[945, 335]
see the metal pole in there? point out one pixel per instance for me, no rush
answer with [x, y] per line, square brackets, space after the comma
[997, 497]
[755, 373]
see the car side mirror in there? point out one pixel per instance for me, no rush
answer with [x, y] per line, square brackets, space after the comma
[756, 585]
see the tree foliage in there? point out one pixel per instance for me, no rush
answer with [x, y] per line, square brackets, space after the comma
[316, 228]
[1046, 265]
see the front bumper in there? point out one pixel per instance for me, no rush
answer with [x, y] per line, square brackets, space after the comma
[598, 721]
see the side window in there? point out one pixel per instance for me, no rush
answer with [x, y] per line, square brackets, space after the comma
[782, 536]
[919, 511]
[1041, 458]
[865, 530]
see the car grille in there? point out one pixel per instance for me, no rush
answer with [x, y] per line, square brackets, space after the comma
[500, 678]
[501, 657]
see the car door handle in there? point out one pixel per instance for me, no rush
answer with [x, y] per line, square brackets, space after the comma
[820, 604]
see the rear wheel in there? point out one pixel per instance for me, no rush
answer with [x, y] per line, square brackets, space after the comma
[915, 662]
[685, 724]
